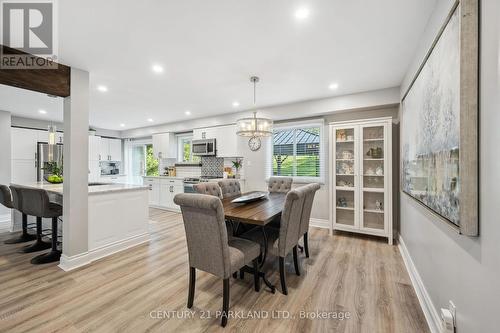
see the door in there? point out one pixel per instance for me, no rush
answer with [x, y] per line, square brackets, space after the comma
[138, 165]
[373, 176]
[345, 152]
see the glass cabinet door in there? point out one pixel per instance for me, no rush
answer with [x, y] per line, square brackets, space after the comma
[372, 176]
[345, 176]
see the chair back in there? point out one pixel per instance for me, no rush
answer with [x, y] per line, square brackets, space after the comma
[209, 188]
[34, 202]
[308, 203]
[6, 196]
[290, 221]
[230, 188]
[280, 184]
[206, 233]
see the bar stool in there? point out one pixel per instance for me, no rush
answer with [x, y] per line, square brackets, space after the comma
[24, 204]
[6, 200]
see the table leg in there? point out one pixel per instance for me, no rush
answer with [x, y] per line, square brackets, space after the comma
[262, 275]
[263, 260]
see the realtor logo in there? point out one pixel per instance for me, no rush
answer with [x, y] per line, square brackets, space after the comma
[28, 27]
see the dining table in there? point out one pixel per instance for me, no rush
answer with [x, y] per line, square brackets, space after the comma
[258, 213]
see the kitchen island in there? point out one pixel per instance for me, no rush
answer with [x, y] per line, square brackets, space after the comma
[118, 217]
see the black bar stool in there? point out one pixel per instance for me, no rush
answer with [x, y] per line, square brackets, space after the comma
[29, 204]
[6, 200]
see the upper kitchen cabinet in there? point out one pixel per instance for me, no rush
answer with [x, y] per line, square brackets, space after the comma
[94, 148]
[165, 145]
[110, 149]
[24, 143]
[227, 142]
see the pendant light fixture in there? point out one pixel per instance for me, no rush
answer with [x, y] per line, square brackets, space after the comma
[254, 127]
[51, 141]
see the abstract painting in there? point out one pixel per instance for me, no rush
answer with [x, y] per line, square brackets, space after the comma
[430, 135]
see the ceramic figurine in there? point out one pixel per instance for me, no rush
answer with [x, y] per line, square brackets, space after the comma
[379, 205]
[379, 171]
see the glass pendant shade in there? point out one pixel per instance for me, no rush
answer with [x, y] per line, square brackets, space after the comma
[254, 127]
[52, 135]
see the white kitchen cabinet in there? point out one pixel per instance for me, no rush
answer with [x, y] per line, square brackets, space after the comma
[23, 171]
[94, 171]
[154, 190]
[227, 142]
[110, 149]
[117, 179]
[23, 143]
[361, 186]
[165, 145]
[94, 148]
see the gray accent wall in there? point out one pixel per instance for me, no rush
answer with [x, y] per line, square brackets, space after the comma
[454, 267]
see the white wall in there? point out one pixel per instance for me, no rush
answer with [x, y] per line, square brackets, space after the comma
[454, 267]
[5, 154]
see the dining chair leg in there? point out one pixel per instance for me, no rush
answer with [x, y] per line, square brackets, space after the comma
[306, 245]
[192, 282]
[225, 302]
[284, 290]
[235, 275]
[296, 260]
[242, 274]
[256, 276]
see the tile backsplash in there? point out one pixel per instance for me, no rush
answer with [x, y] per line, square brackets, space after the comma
[212, 166]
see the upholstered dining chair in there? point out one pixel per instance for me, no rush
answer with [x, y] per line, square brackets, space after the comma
[209, 248]
[7, 201]
[230, 187]
[306, 213]
[285, 239]
[280, 184]
[210, 188]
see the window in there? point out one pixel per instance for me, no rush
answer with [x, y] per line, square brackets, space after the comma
[151, 162]
[297, 152]
[185, 155]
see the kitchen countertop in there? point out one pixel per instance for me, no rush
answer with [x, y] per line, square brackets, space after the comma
[119, 175]
[164, 177]
[93, 190]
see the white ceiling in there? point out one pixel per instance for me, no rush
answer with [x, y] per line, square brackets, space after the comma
[210, 48]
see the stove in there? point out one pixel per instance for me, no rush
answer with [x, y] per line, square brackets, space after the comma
[190, 181]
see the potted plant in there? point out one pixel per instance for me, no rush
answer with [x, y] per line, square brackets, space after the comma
[54, 173]
[237, 166]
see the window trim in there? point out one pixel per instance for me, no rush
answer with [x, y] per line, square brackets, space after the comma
[322, 150]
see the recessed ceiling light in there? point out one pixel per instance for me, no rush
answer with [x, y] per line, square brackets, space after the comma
[157, 68]
[301, 13]
[236, 104]
[187, 113]
[333, 86]
[150, 120]
[42, 111]
[102, 88]
[122, 125]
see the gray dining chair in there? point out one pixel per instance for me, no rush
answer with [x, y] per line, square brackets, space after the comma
[280, 184]
[7, 201]
[209, 188]
[306, 213]
[213, 188]
[209, 248]
[230, 187]
[285, 239]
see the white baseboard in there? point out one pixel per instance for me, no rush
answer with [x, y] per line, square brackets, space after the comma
[430, 312]
[319, 223]
[69, 263]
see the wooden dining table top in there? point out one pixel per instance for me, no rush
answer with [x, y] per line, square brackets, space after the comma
[259, 212]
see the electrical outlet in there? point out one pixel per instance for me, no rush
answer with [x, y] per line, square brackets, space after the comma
[453, 310]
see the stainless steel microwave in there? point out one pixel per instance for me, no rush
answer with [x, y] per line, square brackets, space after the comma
[203, 147]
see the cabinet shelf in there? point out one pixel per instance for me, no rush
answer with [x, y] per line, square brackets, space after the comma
[373, 159]
[373, 189]
[345, 208]
[346, 141]
[345, 174]
[371, 140]
[344, 188]
[345, 159]
[373, 175]
[373, 211]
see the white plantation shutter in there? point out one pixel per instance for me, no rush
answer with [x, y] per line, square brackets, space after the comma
[297, 150]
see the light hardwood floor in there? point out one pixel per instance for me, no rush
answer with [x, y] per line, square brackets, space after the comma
[121, 293]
